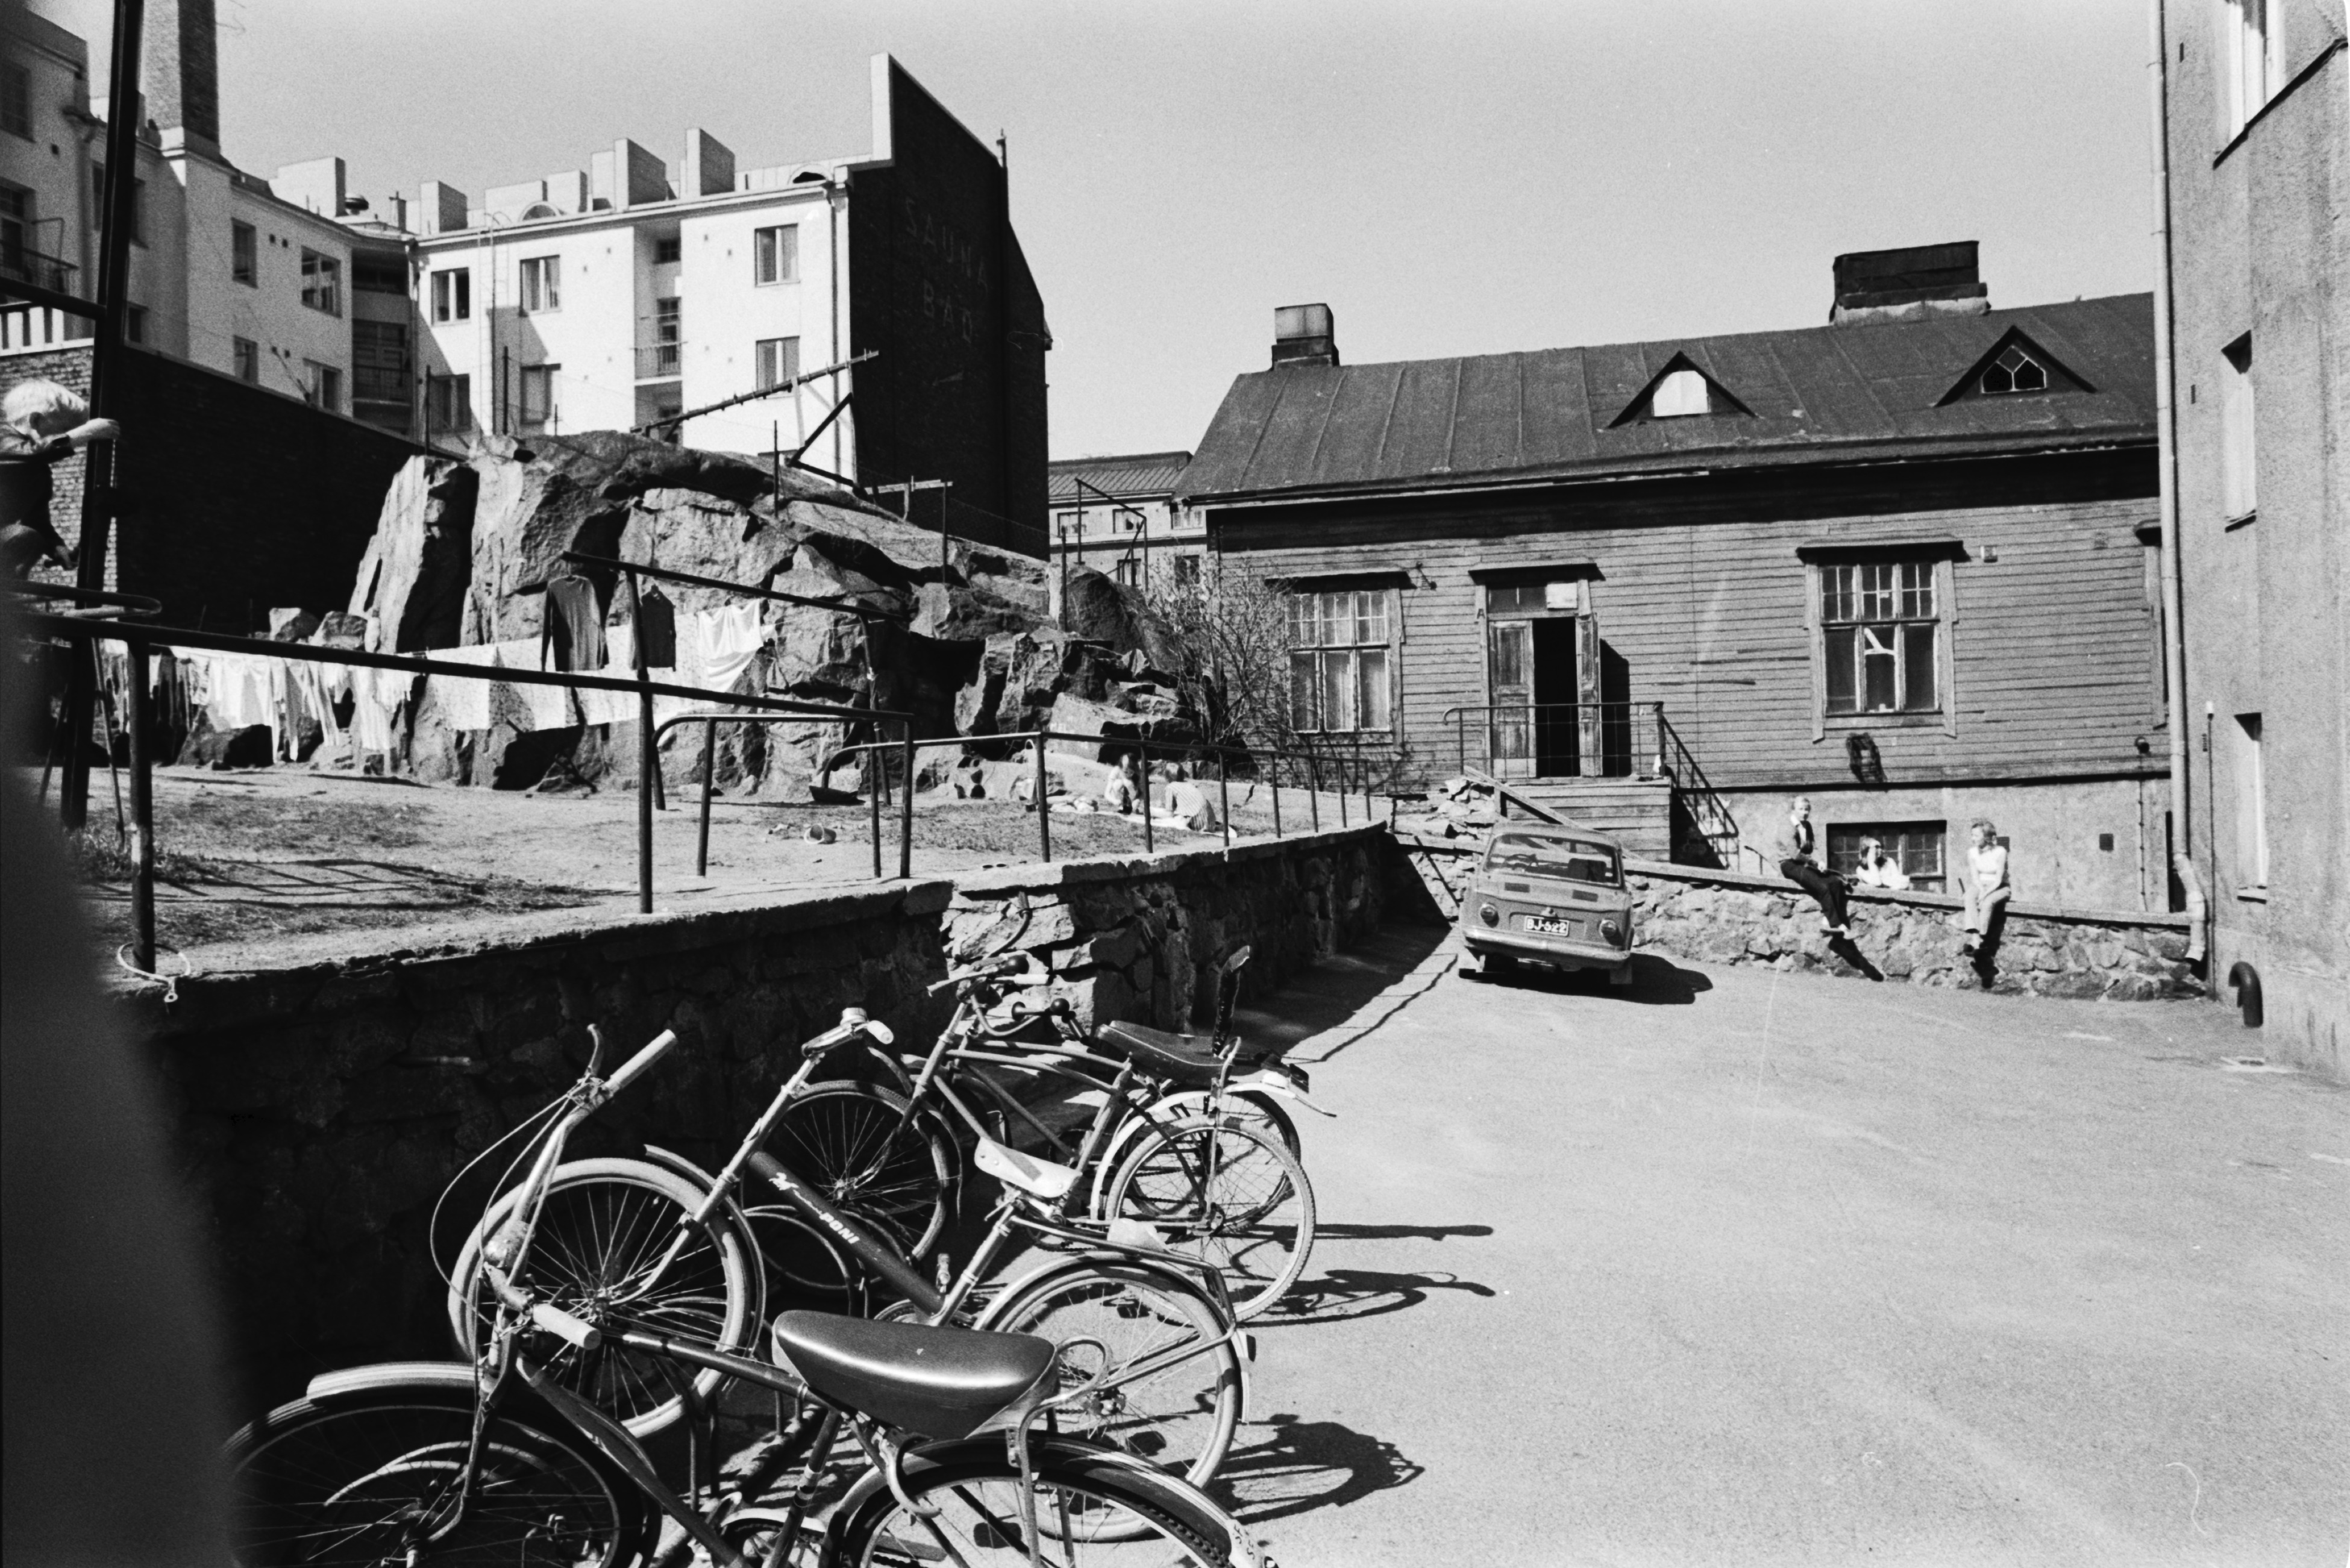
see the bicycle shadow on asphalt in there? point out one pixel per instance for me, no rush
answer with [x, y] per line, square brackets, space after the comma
[1348, 1295]
[1285, 1466]
[1656, 982]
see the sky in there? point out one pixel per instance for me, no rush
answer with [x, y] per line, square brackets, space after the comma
[1459, 178]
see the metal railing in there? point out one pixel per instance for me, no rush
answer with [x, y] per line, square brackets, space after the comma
[26, 255]
[139, 639]
[1556, 740]
[1709, 819]
[659, 361]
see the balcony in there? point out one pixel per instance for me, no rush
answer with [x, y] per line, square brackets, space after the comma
[24, 255]
[659, 361]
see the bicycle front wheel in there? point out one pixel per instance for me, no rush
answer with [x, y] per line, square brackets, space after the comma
[865, 1150]
[375, 1479]
[976, 1488]
[1174, 1392]
[1228, 1192]
[616, 1246]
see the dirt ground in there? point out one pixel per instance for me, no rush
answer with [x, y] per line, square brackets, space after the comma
[278, 866]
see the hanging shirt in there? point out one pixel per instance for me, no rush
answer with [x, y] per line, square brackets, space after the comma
[659, 631]
[573, 632]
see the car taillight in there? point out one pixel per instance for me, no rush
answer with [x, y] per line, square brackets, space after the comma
[1490, 915]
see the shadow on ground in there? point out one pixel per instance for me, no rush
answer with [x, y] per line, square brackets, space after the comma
[1657, 982]
[1285, 1466]
[1347, 995]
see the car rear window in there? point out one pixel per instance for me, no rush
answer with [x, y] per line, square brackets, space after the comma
[1554, 854]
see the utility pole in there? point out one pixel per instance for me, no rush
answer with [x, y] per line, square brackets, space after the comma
[98, 490]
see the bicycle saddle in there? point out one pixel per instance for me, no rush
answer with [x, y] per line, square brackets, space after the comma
[939, 1381]
[1041, 1177]
[1185, 1059]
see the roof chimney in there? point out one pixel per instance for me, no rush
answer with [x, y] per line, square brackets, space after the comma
[1906, 284]
[1304, 335]
[182, 76]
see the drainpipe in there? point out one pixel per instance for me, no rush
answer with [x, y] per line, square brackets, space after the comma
[2174, 650]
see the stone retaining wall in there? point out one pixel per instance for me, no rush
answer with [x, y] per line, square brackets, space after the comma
[324, 1108]
[1737, 917]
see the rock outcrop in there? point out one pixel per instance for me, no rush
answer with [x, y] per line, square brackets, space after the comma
[961, 639]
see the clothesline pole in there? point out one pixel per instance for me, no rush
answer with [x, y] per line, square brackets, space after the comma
[143, 811]
[1224, 797]
[708, 772]
[1044, 806]
[647, 754]
[1142, 766]
[905, 806]
[873, 771]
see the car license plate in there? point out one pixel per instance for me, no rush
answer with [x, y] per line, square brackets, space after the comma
[1551, 926]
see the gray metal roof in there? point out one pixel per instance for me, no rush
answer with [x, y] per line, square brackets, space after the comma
[1139, 473]
[1849, 392]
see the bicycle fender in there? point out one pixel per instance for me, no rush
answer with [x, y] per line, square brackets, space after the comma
[1279, 1085]
[1244, 1344]
[390, 1375]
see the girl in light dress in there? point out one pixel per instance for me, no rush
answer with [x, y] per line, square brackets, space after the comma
[1987, 885]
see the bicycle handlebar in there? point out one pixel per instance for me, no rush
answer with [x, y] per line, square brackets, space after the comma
[630, 1070]
[853, 1023]
[555, 1320]
[990, 966]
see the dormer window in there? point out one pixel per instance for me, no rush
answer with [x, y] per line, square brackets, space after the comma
[2014, 371]
[1679, 394]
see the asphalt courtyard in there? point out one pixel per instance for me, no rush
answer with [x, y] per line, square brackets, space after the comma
[1746, 1268]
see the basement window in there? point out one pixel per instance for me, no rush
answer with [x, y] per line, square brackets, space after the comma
[1915, 846]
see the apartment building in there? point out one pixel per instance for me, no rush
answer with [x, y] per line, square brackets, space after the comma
[2256, 129]
[1119, 515]
[633, 292]
[287, 283]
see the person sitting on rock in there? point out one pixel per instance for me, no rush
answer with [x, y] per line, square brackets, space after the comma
[1879, 869]
[1987, 885]
[1792, 845]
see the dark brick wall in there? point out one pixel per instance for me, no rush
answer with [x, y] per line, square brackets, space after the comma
[939, 287]
[233, 500]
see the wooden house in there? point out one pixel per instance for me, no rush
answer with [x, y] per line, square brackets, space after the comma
[1902, 563]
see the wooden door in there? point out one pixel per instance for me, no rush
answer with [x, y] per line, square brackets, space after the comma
[1509, 674]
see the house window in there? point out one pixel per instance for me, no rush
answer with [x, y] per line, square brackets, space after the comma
[322, 282]
[1680, 394]
[542, 284]
[1186, 571]
[778, 362]
[452, 294]
[775, 254]
[1341, 661]
[379, 362]
[15, 99]
[245, 354]
[2014, 371]
[2252, 56]
[665, 251]
[379, 274]
[1878, 631]
[447, 404]
[324, 389]
[244, 255]
[539, 410]
[2251, 805]
[1129, 571]
[1915, 846]
[2239, 465]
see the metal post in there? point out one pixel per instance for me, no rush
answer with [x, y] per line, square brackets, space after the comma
[708, 774]
[1223, 794]
[1142, 752]
[1276, 760]
[647, 753]
[1314, 788]
[906, 808]
[142, 811]
[1344, 790]
[1043, 814]
[873, 793]
[1661, 770]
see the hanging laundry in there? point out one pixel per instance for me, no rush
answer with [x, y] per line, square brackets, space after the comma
[465, 702]
[573, 626]
[729, 639]
[658, 630]
[530, 706]
[376, 697]
[619, 664]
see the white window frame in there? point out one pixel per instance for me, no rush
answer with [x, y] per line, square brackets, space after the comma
[1341, 660]
[322, 282]
[2251, 805]
[1680, 395]
[2239, 495]
[245, 357]
[1880, 605]
[774, 361]
[2252, 60]
[447, 404]
[775, 251]
[244, 254]
[541, 290]
[452, 294]
[548, 419]
[324, 389]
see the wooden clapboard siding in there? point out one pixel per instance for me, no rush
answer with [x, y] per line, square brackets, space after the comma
[2053, 643]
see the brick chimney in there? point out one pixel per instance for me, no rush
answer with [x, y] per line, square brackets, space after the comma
[1304, 335]
[183, 71]
[1905, 284]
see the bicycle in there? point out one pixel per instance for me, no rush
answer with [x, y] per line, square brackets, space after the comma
[1172, 1374]
[499, 1461]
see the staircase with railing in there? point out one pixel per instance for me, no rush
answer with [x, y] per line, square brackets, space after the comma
[1617, 767]
[1703, 829]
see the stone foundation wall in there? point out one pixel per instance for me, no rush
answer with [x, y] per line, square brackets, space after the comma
[1727, 916]
[323, 1109]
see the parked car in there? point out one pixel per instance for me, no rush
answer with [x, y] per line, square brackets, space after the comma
[1550, 894]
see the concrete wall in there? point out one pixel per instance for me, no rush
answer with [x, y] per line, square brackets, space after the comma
[1719, 917]
[324, 1108]
[2259, 247]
